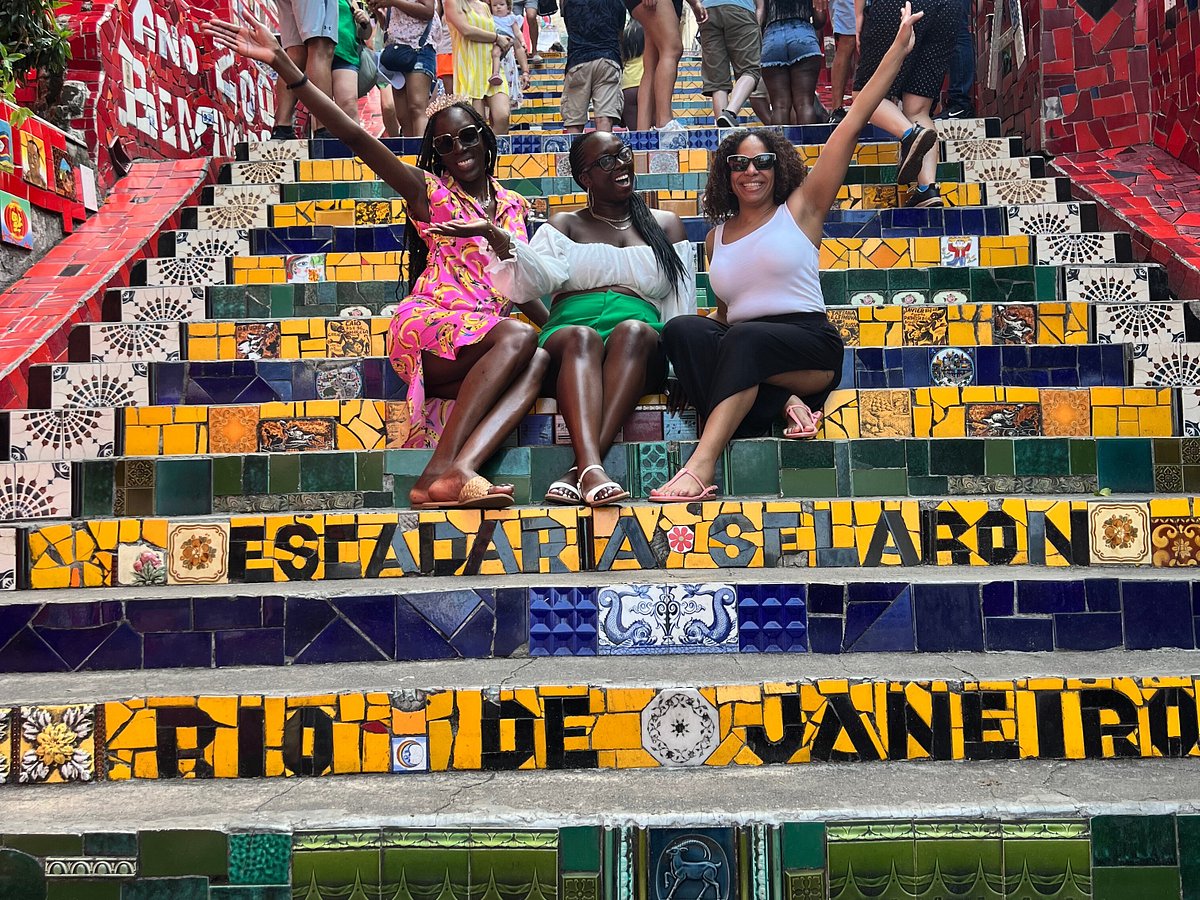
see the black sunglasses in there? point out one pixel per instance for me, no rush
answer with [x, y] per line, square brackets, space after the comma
[762, 162]
[610, 161]
[466, 137]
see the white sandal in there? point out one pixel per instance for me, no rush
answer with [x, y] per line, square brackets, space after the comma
[589, 499]
[567, 493]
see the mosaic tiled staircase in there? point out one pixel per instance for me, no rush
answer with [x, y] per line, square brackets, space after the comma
[213, 479]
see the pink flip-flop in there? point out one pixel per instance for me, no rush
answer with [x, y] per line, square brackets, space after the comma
[708, 493]
[798, 433]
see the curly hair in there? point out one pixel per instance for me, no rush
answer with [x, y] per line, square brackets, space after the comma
[720, 203]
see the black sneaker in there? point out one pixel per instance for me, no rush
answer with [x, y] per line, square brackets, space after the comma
[322, 134]
[912, 153]
[930, 198]
[957, 112]
[727, 119]
[283, 133]
[837, 115]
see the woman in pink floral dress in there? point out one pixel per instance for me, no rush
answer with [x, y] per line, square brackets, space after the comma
[452, 337]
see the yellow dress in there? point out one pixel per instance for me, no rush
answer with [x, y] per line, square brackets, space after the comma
[473, 59]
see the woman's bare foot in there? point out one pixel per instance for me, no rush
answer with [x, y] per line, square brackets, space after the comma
[690, 482]
[445, 486]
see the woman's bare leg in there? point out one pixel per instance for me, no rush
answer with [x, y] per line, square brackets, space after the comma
[779, 89]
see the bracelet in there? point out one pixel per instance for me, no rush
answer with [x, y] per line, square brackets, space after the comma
[299, 84]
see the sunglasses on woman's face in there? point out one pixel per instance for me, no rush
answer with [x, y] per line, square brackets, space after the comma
[610, 161]
[762, 162]
[466, 137]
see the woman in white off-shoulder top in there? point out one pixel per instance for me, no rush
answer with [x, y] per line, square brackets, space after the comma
[617, 271]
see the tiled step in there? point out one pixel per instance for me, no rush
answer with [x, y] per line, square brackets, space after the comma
[606, 616]
[935, 534]
[97, 385]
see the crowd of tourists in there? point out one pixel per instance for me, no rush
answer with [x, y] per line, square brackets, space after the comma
[610, 287]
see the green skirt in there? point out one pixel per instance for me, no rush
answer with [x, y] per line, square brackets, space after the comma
[601, 310]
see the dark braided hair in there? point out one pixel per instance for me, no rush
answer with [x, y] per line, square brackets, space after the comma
[641, 216]
[781, 10]
[430, 161]
[719, 202]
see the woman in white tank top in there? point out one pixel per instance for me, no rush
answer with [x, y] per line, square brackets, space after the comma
[769, 348]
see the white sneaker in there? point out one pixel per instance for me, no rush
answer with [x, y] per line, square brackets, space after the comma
[673, 125]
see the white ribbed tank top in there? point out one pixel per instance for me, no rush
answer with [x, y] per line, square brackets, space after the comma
[772, 271]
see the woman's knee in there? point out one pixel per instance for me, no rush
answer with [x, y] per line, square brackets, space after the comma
[515, 338]
[575, 341]
[633, 337]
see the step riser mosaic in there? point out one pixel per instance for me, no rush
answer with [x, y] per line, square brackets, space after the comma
[1106, 857]
[133, 552]
[581, 727]
[616, 620]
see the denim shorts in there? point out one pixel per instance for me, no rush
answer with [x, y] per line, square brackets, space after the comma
[518, 7]
[788, 42]
[844, 21]
[426, 63]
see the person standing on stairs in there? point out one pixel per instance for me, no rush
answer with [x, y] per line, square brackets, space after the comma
[593, 70]
[409, 52]
[792, 57]
[845, 45]
[770, 347]
[664, 48]
[309, 30]
[730, 37]
[452, 337]
[918, 84]
[473, 32]
[618, 270]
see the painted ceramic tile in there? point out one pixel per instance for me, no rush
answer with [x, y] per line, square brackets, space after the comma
[283, 435]
[909, 298]
[162, 304]
[680, 728]
[885, 413]
[977, 149]
[1066, 413]
[951, 298]
[960, 252]
[1004, 419]
[6, 772]
[9, 543]
[337, 381]
[180, 271]
[1120, 533]
[233, 429]
[1175, 542]
[1107, 284]
[140, 565]
[691, 864]
[257, 340]
[56, 744]
[99, 385]
[262, 172]
[52, 434]
[410, 753]
[1044, 218]
[927, 327]
[277, 150]
[1140, 325]
[1003, 187]
[867, 298]
[16, 221]
[35, 490]
[1168, 365]
[233, 215]
[33, 160]
[961, 129]
[212, 242]
[124, 868]
[675, 618]
[134, 342]
[1076, 249]
[198, 554]
[304, 268]
[348, 338]
[1191, 411]
[952, 367]
[1014, 324]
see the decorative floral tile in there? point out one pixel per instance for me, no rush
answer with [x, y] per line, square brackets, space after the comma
[960, 251]
[1044, 218]
[233, 429]
[909, 298]
[680, 728]
[951, 298]
[212, 242]
[304, 268]
[989, 170]
[140, 565]
[1066, 413]
[262, 172]
[35, 490]
[962, 129]
[198, 554]
[1140, 325]
[867, 298]
[1006, 189]
[1076, 249]
[1119, 533]
[1167, 365]
[53, 434]
[162, 304]
[184, 271]
[100, 385]
[1175, 542]
[675, 618]
[56, 744]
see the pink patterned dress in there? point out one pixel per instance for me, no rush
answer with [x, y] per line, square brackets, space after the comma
[454, 302]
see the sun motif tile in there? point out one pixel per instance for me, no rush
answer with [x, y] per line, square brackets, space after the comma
[262, 172]
[185, 271]
[258, 196]
[211, 242]
[676, 618]
[54, 434]
[6, 726]
[132, 342]
[35, 490]
[277, 151]
[1044, 218]
[1168, 365]
[99, 385]
[680, 728]
[56, 744]
[233, 429]
[977, 149]
[233, 215]
[1076, 249]
[162, 304]
[997, 169]
[198, 554]
[1107, 284]
[1119, 533]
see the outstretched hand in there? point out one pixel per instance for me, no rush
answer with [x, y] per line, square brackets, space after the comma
[253, 39]
[905, 36]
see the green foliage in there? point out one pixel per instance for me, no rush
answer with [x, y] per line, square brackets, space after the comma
[33, 40]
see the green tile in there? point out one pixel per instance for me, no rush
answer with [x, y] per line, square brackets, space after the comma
[879, 482]
[1046, 283]
[872, 868]
[521, 489]
[510, 461]
[1191, 479]
[166, 854]
[183, 487]
[45, 844]
[1167, 451]
[859, 280]
[957, 457]
[406, 462]
[928, 485]
[876, 454]
[226, 302]
[806, 454]
[256, 473]
[427, 872]
[283, 301]
[1083, 456]
[803, 845]
[328, 472]
[369, 467]
[81, 889]
[166, 889]
[261, 858]
[908, 280]
[1047, 869]
[110, 844]
[942, 278]
[284, 473]
[401, 485]
[1125, 465]
[754, 467]
[21, 876]
[1140, 882]
[579, 849]
[250, 893]
[1042, 456]
[1188, 828]
[227, 476]
[998, 456]
[916, 457]
[96, 487]
[1133, 841]
[973, 866]
[801, 484]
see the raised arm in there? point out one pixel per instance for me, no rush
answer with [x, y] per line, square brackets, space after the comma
[253, 40]
[810, 203]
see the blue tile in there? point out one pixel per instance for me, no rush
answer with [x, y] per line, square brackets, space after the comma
[374, 616]
[416, 638]
[253, 647]
[512, 620]
[75, 645]
[772, 618]
[562, 621]
[1020, 634]
[218, 613]
[339, 642]
[947, 617]
[1088, 631]
[26, 652]
[1103, 594]
[826, 599]
[891, 631]
[306, 616]
[177, 651]
[1044, 597]
[1154, 611]
[122, 650]
[825, 634]
[998, 598]
[474, 639]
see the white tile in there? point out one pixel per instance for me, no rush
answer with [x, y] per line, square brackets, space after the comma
[99, 385]
[277, 150]
[186, 271]
[676, 618]
[960, 251]
[244, 194]
[134, 342]
[1003, 169]
[1044, 218]
[262, 172]
[53, 434]
[1119, 533]
[978, 149]
[1141, 325]
[8, 577]
[961, 129]
[1167, 365]
[212, 242]
[234, 215]
[1020, 190]
[1107, 284]
[35, 490]
[1076, 249]
[680, 728]
[162, 304]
